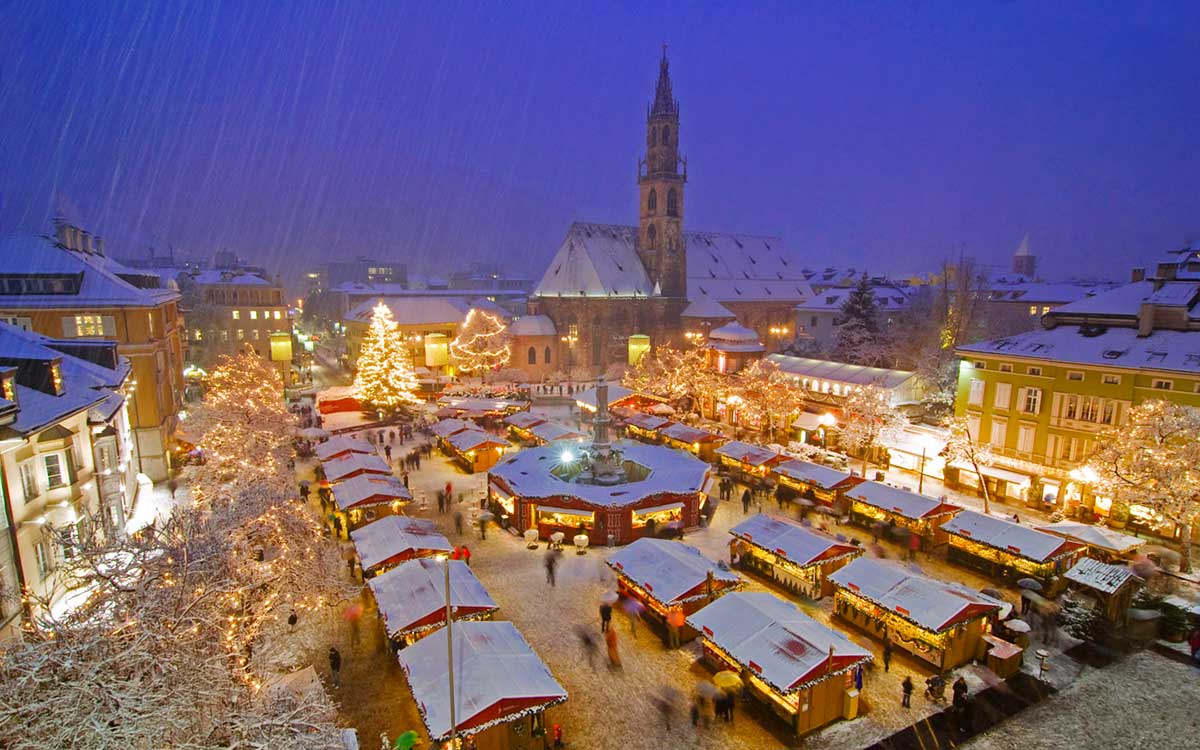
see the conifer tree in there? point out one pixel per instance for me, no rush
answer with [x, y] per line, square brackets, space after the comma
[483, 343]
[385, 378]
[858, 335]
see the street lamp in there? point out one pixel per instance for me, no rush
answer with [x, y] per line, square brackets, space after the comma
[826, 421]
[450, 650]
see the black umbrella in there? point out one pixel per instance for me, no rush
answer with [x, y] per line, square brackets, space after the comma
[1030, 584]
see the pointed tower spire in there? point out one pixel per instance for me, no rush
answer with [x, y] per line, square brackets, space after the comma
[1024, 261]
[664, 102]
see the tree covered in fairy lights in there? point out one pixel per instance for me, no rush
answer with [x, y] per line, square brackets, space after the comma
[1153, 460]
[483, 343]
[385, 377]
[964, 446]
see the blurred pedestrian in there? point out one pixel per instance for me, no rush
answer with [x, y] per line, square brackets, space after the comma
[466, 555]
[551, 564]
[588, 643]
[675, 622]
[614, 656]
[907, 688]
[605, 616]
[887, 655]
[745, 501]
[458, 523]
[335, 666]
[633, 609]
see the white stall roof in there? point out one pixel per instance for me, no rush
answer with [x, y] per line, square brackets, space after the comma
[747, 453]
[1094, 536]
[1025, 541]
[933, 604]
[412, 595]
[523, 420]
[551, 431]
[447, 427]
[337, 470]
[1102, 577]
[905, 503]
[467, 440]
[794, 542]
[824, 477]
[667, 569]
[341, 444]
[390, 536]
[367, 489]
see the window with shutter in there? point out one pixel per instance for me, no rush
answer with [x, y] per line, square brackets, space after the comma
[110, 326]
[973, 427]
[976, 396]
[1003, 396]
[1025, 439]
[999, 432]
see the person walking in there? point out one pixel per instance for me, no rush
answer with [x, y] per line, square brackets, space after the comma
[960, 690]
[551, 564]
[588, 643]
[614, 656]
[605, 616]
[335, 666]
[458, 523]
[404, 477]
[745, 501]
[907, 688]
[483, 528]
[466, 555]
[914, 545]
[675, 621]
[887, 656]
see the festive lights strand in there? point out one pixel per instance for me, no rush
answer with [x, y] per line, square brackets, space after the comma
[483, 343]
[384, 375]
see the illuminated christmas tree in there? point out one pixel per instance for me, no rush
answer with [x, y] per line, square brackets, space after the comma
[483, 343]
[385, 378]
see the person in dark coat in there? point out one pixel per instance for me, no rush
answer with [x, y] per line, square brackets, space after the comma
[887, 656]
[907, 688]
[605, 616]
[551, 565]
[458, 523]
[335, 666]
[745, 502]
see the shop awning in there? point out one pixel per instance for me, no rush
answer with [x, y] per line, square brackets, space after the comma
[995, 472]
[657, 508]
[565, 511]
[807, 421]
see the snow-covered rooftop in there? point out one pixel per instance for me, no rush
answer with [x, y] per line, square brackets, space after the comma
[733, 337]
[615, 394]
[413, 311]
[824, 477]
[336, 471]
[474, 439]
[1016, 538]
[1126, 300]
[931, 603]
[341, 444]
[550, 431]
[528, 474]
[473, 403]
[98, 284]
[707, 307]
[803, 367]
[791, 540]
[503, 677]
[523, 420]
[748, 453]
[1105, 578]
[241, 278]
[412, 596]
[1039, 293]
[775, 640]
[686, 434]
[447, 427]
[533, 325]
[1094, 536]
[905, 503]
[888, 298]
[368, 489]
[671, 572]
[1175, 351]
[395, 536]
[646, 421]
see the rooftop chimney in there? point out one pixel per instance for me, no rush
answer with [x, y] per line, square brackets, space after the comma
[99, 246]
[1139, 274]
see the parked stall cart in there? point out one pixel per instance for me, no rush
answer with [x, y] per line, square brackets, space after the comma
[792, 556]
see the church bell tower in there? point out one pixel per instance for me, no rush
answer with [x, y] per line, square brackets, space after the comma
[661, 176]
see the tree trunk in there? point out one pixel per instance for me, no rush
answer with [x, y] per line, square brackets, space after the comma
[983, 485]
[1185, 548]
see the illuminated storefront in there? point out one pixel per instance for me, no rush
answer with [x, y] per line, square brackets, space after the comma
[1007, 550]
[789, 554]
[875, 503]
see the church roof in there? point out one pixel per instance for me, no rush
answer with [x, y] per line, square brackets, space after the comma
[601, 260]
[664, 102]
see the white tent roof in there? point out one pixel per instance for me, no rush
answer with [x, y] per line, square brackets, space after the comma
[466, 440]
[933, 604]
[341, 444]
[447, 427]
[335, 471]
[524, 419]
[804, 367]
[1025, 541]
[790, 540]
[412, 596]
[551, 431]
[615, 394]
[775, 640]
[390, 536]
[747, 453]
[497, 669]
[1094, 536]
[368, 489]
[824, 477]
[907, 504]
[669, 570]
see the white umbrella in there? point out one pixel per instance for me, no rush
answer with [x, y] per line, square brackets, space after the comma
[1017, 626]
[662, 409]
[314, 433]
[609, 597]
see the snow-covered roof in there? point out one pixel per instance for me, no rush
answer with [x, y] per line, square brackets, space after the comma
[99, 285]
[615, 394]
[733, 337]
[413, 311]
[707, 307]
[601, 260]
[469, 440]
[1102, 577]
[776, 641]
[393, 536]
[748, 453]
[831, 300]
[472, 403]
[1126, 300]
[817, 475]
[902, 502]
[241, 278]
[803, 367]
[499, 677]
[791, 540]
[1016, 538]
[341, 468]
[1094, 536]
[523, 420]
[931, 603]
[1040, 293]
[1174, 351]
[528, 473]
[671, 572]
[447, 427]
[341, 444]
[533, 325]
[368, 489]
[484, 304]
[412, 596]
[550, 431]
[645, 421]
[687, 434]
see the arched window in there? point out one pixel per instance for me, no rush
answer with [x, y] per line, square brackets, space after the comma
[652, 201]
[653, 137]
[533, 355]
[651, 233]
[672, 203]
[666, 135]
[546, 356]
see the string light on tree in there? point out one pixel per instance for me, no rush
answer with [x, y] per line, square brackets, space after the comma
[385, 377]
[483, 343]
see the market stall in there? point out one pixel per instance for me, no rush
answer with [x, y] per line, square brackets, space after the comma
[365, 498]
[1102, 542]
[1007, 550]
[501, 690]
[411, 598]
[667, 576]
[748, 462]
[393, 539]
[353, 465]
[874, 503]
[475, 450]
[940, 622]
[481, 407]
[789, 554]
[701, 443]
[1109, 587]
[804, 672]
[821, 484]
[519, 424]
[551, 432]
[444, 428]
[341, 446]
[645, 427]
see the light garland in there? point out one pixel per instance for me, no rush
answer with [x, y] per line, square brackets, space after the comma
[483, 343]
[384, 375]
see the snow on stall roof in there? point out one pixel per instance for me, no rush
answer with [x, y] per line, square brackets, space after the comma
[824, 477]
[1094, 536]
[380, 541]
[447, 427]
[669, 570]
[748, 453]
[840, 371]
[527, 474]
[503, 670]
[706, 307]
[1025, 541]
[1175, 351]
[775, 640]
[791, 540]
[415, 590]
[615, 394]
[931, 603]
[344, 467]
[369, 489]
[241, 278]
[470, 403]
[473, 439]
[1102, 577]
[733, 337]
[533, 325]
[342, 444]
[893, 499]
[414, 310]
[647, 421]
[523, 420]
[550, 431]
[685, 433]
[99, 285]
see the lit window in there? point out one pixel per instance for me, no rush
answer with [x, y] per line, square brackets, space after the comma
[89, 325]
[1035, 371]
[254, 333]
[254, 315]
[1045, 309]
[277, 316]
[1033, 309]
[1075, 375]
[56, 377]
[197, 334]
[1110, 379]
[241, 334]
[224, 335]
[237, 314]
[1161, 385]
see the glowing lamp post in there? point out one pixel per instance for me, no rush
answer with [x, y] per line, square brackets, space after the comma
[826, 421]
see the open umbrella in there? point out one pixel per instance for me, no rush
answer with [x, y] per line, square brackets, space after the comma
[313, 433]
[707, 689]
[609, 597]
[994, 593]
[1018, 626]
[487, 515]
[727, 679]
[1030, 584]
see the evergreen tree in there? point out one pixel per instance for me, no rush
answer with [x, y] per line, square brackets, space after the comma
[858, 335]
[483, 343]
[385, 378]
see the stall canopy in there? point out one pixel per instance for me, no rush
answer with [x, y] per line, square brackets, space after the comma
[995, 472]
[748, 453]
[339, 445]
[482, 405]
[1099, 576]
[1025, 541]
[392, 537]
[355, 463]
[548, 432]
[807, 421]
[523, 420]
[616, 393]
[672, 572]
[648, 422]
[929, 603]
[447, 427]
[902, 502]
[685, 434]
[824, 477]
[791, 541]
[474, 439]
[775, 640]
[368, 489]
[1099, 537]
[500, 677]
[412, 596]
